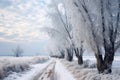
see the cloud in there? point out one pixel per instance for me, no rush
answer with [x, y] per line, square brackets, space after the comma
[22, 19]
[5, 3]
[4, 40]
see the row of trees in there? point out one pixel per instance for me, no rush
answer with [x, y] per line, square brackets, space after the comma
[82, 24]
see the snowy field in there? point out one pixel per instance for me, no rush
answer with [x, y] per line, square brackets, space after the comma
[8, 65]
[88, 70]
[50, 70]
[28, 75]
[42, 68]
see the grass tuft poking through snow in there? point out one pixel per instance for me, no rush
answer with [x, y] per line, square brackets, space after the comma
[9, 65]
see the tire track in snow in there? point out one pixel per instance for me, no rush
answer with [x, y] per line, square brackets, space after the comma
[47, 73]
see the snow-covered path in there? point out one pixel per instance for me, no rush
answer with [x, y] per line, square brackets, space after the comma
[61, 73]
[48, 73]
[51, 70]
[56, 69]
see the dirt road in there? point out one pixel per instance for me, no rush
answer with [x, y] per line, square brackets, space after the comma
[47, 73]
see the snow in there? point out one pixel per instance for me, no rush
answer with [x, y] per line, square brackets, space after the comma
[61, 73]
[48, 73]
[28, 75]
[17, 64]
[52, 68]
[90, 73]
[92, 60]
[58, 69]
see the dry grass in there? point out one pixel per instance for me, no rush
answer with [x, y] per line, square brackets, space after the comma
[17, 64]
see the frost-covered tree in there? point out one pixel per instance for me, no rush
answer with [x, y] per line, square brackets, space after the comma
[73, 39]
[62, 29]
[59, 42]
[65, 31]
[100, 21]
[54, 49]
[18, 52]
[79, 53]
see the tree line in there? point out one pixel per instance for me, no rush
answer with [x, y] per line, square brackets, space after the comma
[79, 25]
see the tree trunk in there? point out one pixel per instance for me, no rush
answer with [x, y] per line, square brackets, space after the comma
[70, 58]
[100, 63]
[108, 60]
[104, 65]
[80, 60]
[69, 54]
[62, 54]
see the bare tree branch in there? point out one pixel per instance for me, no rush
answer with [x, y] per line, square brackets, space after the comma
[118, 20]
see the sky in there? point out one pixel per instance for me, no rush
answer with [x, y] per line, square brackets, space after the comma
[20, 23]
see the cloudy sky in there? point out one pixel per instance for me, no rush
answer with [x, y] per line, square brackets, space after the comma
[20, 23]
